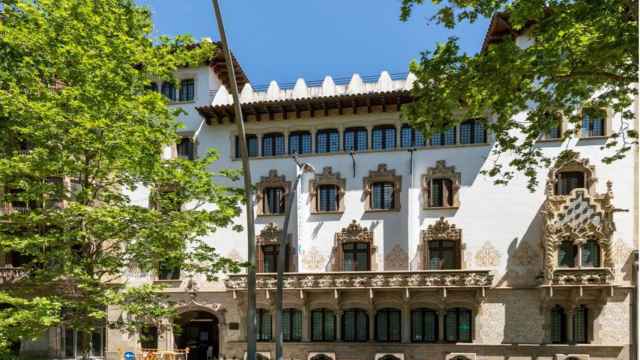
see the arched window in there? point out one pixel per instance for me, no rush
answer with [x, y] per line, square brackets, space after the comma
[388, 325]
[321, 357]
[355, 139]
[580, 325]
[410, 137]
[356, 256]
[558, 325]
[274, 201]
[292, 325]
[457, 325]
[473, 132]
[382, 196]
[590, 254]
[263, 328]
[446, 137]
[424, 326]
[323, 325]
[567, 252]
[300, 142]
[355, 325]
[383, 137]
[566, 181]
[272, 144]
[327, 141]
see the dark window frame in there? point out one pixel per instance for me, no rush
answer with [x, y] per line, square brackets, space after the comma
[413, 137]
[353, 253]
[458, 311]
[261, 315]
[589, 119]
[385, 137]
[438, 247]
[357, 337]
[186, 148]
[329, 133]
[271, 251]
[168, 90]
[386, 312]
[422, 314]
[250, 138]
[472, 133]
[357, 140]
[564, 179]
[269, 194]
[320, 198]
[326, 314]
[560, 338]
[573, 255]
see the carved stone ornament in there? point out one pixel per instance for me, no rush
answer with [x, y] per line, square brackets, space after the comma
[396, 259]
[327, 177]
[270, 235]
[382, 174]
[441, 230]
[570, 161]
[354, 232]
[271, 181]
[578, 217]
[441, 171]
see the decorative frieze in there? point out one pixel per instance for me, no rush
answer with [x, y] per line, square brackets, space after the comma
[599, 276]
[357, 280]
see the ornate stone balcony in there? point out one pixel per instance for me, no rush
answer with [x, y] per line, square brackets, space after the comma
[368, 279]
[583, 277]
[10, 274]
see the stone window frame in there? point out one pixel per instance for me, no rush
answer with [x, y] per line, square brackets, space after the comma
[273, 180]
[327, 177]
[441, 171]
[571, 162]
[442, 230]
[382, 175]
[270, 236]
[353, 233]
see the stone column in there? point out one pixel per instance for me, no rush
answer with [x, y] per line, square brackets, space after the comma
[259, 144]
[372, 324]
[406, 323]
[569, 323]
[286, 141]
[306, 323]
[339, 313]
[441, 325]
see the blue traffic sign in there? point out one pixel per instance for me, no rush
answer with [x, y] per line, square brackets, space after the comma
[129, 356]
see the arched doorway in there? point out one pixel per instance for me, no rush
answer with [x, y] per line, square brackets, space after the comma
[198, 330]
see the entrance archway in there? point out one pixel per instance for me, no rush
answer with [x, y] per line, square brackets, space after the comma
[198, 330]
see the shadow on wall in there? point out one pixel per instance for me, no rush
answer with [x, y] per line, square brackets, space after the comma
[524, 267]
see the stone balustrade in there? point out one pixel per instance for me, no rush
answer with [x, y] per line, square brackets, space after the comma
[369, 279]
[10, 274]
[583, 276]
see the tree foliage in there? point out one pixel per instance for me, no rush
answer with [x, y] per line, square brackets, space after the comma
[79, 132]
[582, 54]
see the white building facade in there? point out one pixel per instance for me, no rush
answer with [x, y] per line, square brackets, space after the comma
[399, 248]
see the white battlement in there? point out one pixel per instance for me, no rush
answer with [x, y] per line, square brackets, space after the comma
[327, 88]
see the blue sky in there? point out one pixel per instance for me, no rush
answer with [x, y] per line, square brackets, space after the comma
[285, 39]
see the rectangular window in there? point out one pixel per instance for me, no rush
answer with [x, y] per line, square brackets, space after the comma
[273, 144]
[410, 137]
[382, 196]
[273, 201]
[169, 91]
[355, 257]
[328, 198]
[447, 137]
[149, 337]
[355, 139]
[388, 325]
[383, 137]
[327, 141]
[558, 325]
[567, 252]
[593, 123]
[292, 325]
[569, 180]
[187, 90]
[185, 149]
[252, 146]
[168, 271]
[473, 132]
[580, 327]
[443, 255]
[300, 142]
[264, 325]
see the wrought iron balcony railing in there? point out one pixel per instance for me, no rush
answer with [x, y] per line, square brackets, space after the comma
[369, 279]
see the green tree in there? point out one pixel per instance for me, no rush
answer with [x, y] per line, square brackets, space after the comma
[79, 127]
[582, 54]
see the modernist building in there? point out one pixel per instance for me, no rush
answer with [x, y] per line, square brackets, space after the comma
[399, 248]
